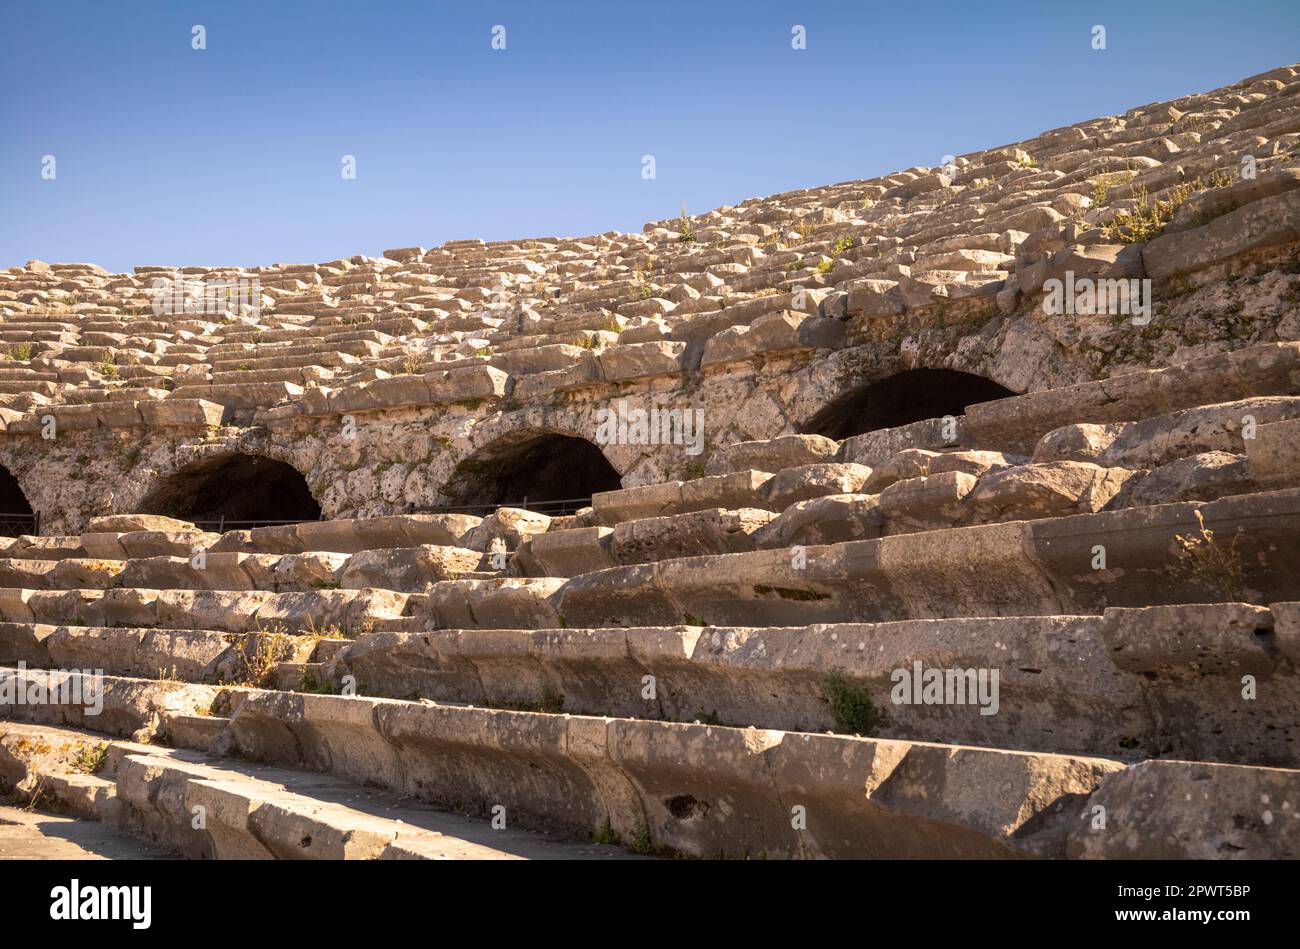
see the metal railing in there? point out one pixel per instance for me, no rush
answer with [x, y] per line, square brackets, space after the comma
[555, 508]
[222, 524]
[15, 525]
[30, 524]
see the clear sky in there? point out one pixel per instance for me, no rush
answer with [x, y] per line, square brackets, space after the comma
[232, 154]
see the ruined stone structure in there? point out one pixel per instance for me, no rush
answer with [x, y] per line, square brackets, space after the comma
[843, 522]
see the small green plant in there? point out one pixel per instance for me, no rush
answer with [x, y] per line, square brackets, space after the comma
[91, 759]
[1214, 566]
[642, 844]
[845, 243]
[824, 266]
[308, 681]
[107, 367]
[22, 352]
[258, 655]
[1146, 220]
[1028, 161]
[1141, 223]
[685, 233]
[411, 365]
[605, 834]
[852, 711]
[1101, 185]
[552, 701]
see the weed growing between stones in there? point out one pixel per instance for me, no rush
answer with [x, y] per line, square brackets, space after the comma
[90, 759]
[852, 710]
[605, 834]
[1147, 219]
[308, 681]
[1216, 567]
[1102, 184]
[685, 234]
[256, 663]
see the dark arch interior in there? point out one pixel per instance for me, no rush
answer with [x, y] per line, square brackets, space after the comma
[909, 396]
[543, 469]
[15, 505]
[236, 488]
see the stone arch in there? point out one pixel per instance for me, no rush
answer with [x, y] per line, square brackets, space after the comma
[16, 514]
[539, 465]
[910, 395]
[233, 488]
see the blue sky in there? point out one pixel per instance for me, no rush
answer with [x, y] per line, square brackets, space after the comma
[232, 154]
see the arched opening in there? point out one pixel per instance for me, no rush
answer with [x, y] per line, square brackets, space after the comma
[905, 397]
[233, 491]
[545, 470]
[16, 514]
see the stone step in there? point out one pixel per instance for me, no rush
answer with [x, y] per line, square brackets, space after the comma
[1064, 565]
[201, 656]
[1150, 682]
[705, 790]
[29, 833]
[204, 808]
[708, 790]
[407, 569]
[915, 490]
[229, 611]
[352, 535]
[1016, 423]
[145, 710]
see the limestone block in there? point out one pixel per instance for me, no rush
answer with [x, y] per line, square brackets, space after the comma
[825, 520]
[166, 543]
[792, 485]
[408, 569]
[773, 454]
[926, 502]
[1270, 221]
[713, 531]
[126, 523]
[639, 360]
[1052, 489]
[568, 553]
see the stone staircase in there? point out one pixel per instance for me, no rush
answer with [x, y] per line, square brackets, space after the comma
[948, 574]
